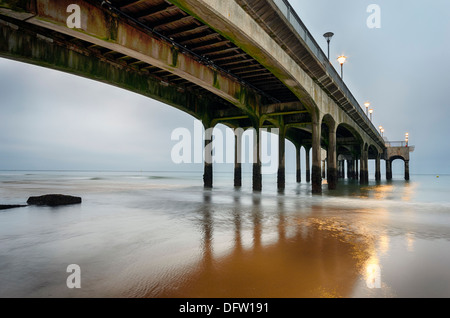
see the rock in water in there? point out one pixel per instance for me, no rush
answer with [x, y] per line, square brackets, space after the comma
[54, 200]
[11, 206]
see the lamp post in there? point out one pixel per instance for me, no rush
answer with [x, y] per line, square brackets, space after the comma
[407, 139]
[371, 114]
[328, 36]
[341, 59]
[381, 131]
[367, 104]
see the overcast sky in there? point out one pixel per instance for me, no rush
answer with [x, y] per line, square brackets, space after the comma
[51, 120]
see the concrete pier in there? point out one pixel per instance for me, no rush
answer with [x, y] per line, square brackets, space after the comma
[316, 171]
[364, 174]
[257, 175]
[308, 164]
[378, 168]
[238, 160]
[388, 170]
[208, 76]
[324, 169]
[281, 176]
[407, 170]
[332, 158]
[298, 164]
[350, 169]
[397, 150]
[208, 164]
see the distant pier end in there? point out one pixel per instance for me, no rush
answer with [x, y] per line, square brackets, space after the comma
[397, 150]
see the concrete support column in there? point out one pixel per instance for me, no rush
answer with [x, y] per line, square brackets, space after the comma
[281, 177]
[308, 164]
[238, 160]
[356, 169]
[407, 170]
[257, 176]
[324, 167]
[332, 160]
[361, 168]
[388, 169]
[208, 168]
[366, 170]
[364, 163]
[299, 166]
[316, 174]
[349, 169]
[338, 169]
[378, 168]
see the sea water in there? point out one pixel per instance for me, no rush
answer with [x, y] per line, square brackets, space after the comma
[161, 235]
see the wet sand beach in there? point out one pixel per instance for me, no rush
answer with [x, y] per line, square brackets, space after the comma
[163, 236]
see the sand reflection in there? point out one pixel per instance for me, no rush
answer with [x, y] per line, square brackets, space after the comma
[309, 257]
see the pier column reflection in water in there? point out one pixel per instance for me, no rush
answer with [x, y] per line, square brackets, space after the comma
[277, 252]
[207, 231]
[237, 208]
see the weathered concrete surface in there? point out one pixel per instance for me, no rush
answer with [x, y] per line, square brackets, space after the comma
[397, 153]
[394, 153]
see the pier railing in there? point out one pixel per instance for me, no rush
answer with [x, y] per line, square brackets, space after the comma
[392, 144]
[396, 144]
[290, 14]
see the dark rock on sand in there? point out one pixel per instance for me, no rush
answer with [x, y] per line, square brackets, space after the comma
[54, 200]
[10, 206]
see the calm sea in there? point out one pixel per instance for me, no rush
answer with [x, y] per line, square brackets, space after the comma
[155, 234]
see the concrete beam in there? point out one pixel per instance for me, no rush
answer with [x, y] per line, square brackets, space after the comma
[106, 29]
[23, 42]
